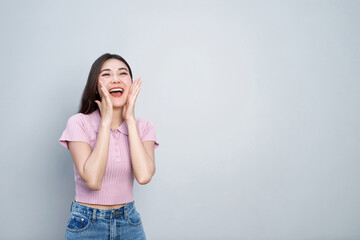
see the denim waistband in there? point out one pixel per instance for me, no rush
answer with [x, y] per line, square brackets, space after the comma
[103, 213]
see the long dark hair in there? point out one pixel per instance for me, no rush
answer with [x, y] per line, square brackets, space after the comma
[90, 94]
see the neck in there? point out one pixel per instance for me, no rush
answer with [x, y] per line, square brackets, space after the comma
[117, 118]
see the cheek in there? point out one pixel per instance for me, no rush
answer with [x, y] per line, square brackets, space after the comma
[98, 88]
[127, 79]
[129, 82]
[105, 82]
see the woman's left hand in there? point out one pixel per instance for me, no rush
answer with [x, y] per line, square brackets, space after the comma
[129, 107]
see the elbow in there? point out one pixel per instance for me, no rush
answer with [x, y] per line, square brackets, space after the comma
[146, 178]
[143, 180]
[94, 186]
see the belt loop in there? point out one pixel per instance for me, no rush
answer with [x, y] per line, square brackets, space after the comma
[71, 205]
[94, 215]
[125, 211]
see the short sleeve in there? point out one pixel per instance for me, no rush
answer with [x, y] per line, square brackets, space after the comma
[76, 130]
[149, 133]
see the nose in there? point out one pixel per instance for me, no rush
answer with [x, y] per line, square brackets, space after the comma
[115, 79]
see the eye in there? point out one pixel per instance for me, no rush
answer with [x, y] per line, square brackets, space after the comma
[123, 73]
[106, 74]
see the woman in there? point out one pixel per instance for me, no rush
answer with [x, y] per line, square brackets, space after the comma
[109, 147]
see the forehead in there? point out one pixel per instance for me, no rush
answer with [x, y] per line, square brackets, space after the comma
[113, 64]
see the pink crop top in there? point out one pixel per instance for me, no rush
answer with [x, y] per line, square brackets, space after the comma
[117, 184]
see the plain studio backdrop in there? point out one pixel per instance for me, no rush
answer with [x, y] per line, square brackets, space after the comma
[255, 104]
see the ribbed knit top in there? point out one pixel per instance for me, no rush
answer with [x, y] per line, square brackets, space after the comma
[118, 179]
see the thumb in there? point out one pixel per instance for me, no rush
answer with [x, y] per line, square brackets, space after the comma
[98, 103]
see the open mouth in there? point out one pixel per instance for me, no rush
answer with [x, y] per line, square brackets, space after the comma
[116, 92]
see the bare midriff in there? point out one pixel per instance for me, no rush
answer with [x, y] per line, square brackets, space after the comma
[106, 207]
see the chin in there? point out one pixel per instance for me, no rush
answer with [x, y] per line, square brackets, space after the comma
[117, 105]
[118, 102]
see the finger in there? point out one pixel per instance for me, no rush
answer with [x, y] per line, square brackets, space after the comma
[138, 81]
[99, 104]
[136, 85]
[137, 92]
[107, 96]
[134, 96]
[104, 90]
[101, 86]
[104, 96]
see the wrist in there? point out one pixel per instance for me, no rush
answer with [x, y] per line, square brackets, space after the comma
[105, 124]
[130, 120]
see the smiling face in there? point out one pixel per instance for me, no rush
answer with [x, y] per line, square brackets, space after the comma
[115, 76]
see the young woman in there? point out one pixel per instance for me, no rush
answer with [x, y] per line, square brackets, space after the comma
[109, 147]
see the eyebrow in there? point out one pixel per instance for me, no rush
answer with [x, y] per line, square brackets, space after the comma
[110, 70]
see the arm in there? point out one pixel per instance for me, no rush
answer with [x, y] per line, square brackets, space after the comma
[142, 154]
[91, 165]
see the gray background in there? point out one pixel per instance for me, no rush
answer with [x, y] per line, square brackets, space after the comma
[255, 103]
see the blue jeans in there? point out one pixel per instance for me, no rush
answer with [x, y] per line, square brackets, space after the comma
[94, 223]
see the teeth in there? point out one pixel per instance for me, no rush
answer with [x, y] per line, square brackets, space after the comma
[116, 90]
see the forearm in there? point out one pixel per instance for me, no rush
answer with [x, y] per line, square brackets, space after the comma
[95, 166]
[142, 164]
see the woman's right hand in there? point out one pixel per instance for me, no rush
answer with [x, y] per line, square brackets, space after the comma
[105, 106]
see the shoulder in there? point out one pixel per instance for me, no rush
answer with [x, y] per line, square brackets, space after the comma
[147, 130]
[80, 120]
[144, 123]
[141, 120]
[145, 126]
[77, 118]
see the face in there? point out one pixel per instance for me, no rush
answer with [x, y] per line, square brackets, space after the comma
[115, 75]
